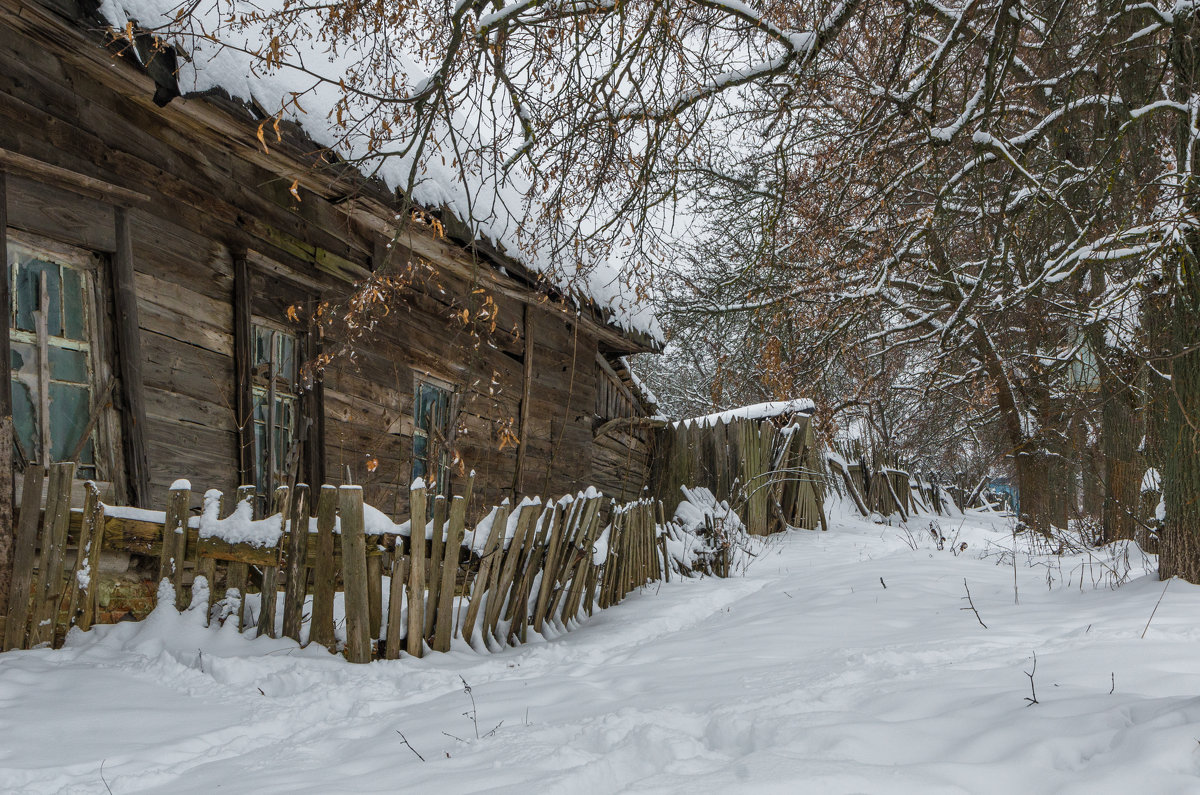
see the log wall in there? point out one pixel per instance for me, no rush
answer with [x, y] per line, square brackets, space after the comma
[211, 197]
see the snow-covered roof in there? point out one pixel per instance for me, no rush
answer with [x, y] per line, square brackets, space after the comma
[489, 199]
[757, 411]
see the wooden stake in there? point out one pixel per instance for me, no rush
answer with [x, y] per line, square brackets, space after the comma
[296, 587]
[174, 543]
[449, 574]
[416, 573]
[374, 589]
[433, 574]
[24, 552]
[395, 627]
[270, 574]
[354, 574]
[325, 571]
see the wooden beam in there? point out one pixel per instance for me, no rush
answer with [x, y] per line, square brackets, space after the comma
[23, 166]
[129, 364]
[242, 353]
[523, 443]
[313, 408]
[7, 531]
[631, 423]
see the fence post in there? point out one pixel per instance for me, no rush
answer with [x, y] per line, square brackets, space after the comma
[320, 628]
[374, 558]
[354, 574]
[296, 587]
[396, 601]
[448, 570]
[174, 540]
[416, 572]
[237, 573]
[433, 565]
[270, 575]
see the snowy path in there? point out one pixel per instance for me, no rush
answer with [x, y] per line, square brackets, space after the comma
[806, 675]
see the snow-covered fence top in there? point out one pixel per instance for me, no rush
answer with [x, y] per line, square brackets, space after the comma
[756, 411]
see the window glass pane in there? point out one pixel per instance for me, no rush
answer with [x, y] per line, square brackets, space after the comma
[286, 358]
[70, 406]
[73, 303]
[262, 346]
[23, 359]
[87, 458]
[24, 427]
[420, 450]
[25, 298]
[68, 365]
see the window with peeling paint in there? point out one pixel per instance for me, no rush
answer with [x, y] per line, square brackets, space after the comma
[431, 434]
[52, 358]
[274, 389]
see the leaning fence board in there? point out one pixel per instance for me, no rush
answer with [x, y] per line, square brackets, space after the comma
[487, 560]
[54, 542]
[529, 576]
[354, 574]
[583, 559]
[508, 570]
[25, 548]
[553, 539]
[90, 592]
[80, 581]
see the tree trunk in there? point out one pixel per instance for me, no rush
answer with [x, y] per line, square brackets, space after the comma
[1179, 554]
[1180, 543]
[1119, 436]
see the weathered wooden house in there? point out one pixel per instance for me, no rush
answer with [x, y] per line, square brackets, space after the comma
[165, 270]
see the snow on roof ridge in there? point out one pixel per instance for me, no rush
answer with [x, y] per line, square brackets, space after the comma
[485, 206]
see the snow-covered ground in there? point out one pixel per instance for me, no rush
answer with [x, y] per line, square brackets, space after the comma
[805, 675]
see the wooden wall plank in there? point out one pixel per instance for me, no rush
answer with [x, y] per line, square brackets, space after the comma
[129, 365]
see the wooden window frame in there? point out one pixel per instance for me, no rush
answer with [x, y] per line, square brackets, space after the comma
[419, 379]
[105, 430]
[275, 389]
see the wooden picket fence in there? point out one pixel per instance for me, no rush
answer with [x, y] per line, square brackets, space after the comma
[768, 468]
[536, 564]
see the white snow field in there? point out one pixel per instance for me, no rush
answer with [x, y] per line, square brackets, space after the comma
[805, 675]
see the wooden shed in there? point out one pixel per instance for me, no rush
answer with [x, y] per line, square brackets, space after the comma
[167, 278]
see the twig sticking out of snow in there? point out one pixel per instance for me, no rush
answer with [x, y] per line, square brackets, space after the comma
[406, 742]
[1155, 610]
[1032, 699]
[971, 605]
